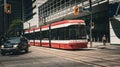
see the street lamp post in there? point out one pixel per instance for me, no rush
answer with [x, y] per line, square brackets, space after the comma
[50, 35]
[40, 36]
[29, 27]
[43, 19]
[40, 26]
[29, 31]
[23, 14]
[3, 6]
[90, 4]
[22, 10]
[49, 25]
[4, 29]
[34, 36]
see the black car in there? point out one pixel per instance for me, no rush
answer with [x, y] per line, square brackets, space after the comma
[14, 45]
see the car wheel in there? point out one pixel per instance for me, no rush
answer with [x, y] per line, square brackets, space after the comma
[26, 50]
[2, 53]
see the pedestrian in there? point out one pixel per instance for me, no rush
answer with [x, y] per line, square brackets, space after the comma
[104, 40]
[88, 37]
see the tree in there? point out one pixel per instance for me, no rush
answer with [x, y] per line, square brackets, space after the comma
[15, 26]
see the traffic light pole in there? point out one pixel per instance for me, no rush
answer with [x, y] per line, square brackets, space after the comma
[50, 35]
[90, 2]
[91, 32]
[23, 14]
[22, 10]
[4, 29]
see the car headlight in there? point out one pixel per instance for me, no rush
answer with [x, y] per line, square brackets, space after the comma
[2, 46]
[15, 46]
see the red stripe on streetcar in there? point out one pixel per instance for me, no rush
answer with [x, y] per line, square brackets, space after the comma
[58, 23]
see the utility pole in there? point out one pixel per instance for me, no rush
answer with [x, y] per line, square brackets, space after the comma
[40, 31]
[4, 29]
[50, 35]
[90, 4]
[23, 15]
[29, 30]
[40, 35]
[2, 7]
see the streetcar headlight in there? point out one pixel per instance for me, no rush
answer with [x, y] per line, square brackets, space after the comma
[15, 46]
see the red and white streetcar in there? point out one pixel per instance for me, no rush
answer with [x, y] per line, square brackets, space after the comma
[66, 34]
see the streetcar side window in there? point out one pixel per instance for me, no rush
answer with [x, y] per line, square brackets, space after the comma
[45, 35]
[72, 33]
[30, 36]
[77, 32]
[69, 33]
[60, 34]
[63, 35]
[37, 35]
[55, 34]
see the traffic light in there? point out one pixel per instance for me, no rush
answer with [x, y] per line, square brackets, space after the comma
[8, 8]
[76, 10]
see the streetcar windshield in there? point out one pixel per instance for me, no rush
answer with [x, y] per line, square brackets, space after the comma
[77, 32]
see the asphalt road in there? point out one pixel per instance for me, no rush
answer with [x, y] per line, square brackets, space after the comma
[49, 57]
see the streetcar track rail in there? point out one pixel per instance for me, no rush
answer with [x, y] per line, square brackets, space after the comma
[64, 54]
[2, 64]
[77, 59]
[71, 55]
[96, 57]
[73, 59]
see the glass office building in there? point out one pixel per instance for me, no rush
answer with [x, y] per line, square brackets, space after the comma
[57, 10]
[20, 9]
[6, 19]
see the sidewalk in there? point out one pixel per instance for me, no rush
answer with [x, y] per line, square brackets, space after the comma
[100, 45]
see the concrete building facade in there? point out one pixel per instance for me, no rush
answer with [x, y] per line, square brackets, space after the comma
[33, 21]
[56, 10]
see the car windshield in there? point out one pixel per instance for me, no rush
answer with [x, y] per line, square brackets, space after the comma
[13, 40]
